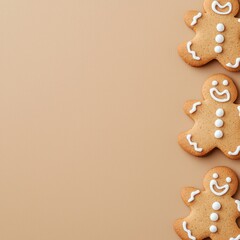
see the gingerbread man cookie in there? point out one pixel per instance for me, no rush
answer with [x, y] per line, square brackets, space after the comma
[213, 211]
[217, 35]
[217, 119]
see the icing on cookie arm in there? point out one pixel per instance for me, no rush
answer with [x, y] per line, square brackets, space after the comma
[189, 195]
[191, 108]
[192, 18]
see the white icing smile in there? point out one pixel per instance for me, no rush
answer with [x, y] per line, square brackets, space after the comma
[216, 4]
[214, 184]
[214, 93]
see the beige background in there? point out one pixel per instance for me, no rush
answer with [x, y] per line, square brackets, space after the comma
[91, 96]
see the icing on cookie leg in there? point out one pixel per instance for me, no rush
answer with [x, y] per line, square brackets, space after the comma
[194, 144]
[238, 108]
[193, 53]
[237, 238]
[235, 153]
[238, 204]
[235, 65]
[189, 233]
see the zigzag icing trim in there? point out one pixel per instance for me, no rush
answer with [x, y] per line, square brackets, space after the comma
[194, 55]
[236, 65]
[190, 236]
[194, 144]
[236, 152]
[237, 238]
[195, 19]
[194, 107]
[193, 194]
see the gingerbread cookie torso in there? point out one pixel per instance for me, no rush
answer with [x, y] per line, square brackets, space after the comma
[217, 35]
[213, 210]
[217, 119]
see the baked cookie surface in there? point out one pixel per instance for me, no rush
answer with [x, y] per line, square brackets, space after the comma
[216, 117]
[217, 35]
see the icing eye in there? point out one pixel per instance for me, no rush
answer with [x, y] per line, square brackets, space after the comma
[225, 82]
[215, 175]
[214, 83]
[228, 179]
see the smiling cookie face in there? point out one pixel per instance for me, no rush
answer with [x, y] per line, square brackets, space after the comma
[221, 181]
[222, 7]
[220, 88]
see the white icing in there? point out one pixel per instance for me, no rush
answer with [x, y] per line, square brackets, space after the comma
[194, 107]
[194, 144]
[220, 27]
[213, 229]
[218, 49]
[215, 90]
[238, 205]
[219, 38]
[236, 65]
[236, 238]
[193, 194]
[238, 20]
[224, 188]
[214, 217]
[214, 82]
[238, 108]
[228, 179]
[194, 55]
[236, 152]
[189, 233]
[218, 134]
[220, 112]
[215, 175]
[216, 4]
[195, 19]
[225, 82]
[216, 206]
[219, 123]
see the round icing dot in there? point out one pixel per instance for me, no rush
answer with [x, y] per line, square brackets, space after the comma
[220, 112]
[219, 38]
[220, 27]
[214, 83]
[215, 175]
[225, 82]
[214, 217]
[213, 229]
[218, 49]
[216, 206]
[218, 134]
[228, 179]
[219, 123]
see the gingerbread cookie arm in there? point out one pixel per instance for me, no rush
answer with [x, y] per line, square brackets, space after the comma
[191, 108]
[191, 18]
[189, 195]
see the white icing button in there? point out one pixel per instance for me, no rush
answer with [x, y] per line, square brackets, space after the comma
[214, 83]
[216, 206]
[220, 27]
[214, 217]
[219, 123]
[219, 38]
[228, 179]
[213, 229]
[225, 82]
[218, 49]
[218, 134]
[215, 175]
[220, 112]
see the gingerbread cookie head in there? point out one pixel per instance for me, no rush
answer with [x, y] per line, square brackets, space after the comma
[221, 7]
[221, 181]
[220, 89]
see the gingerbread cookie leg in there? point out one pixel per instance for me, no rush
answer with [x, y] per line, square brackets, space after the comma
[194, 54]
[186, 229]
[192, 144]
[231, 59]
